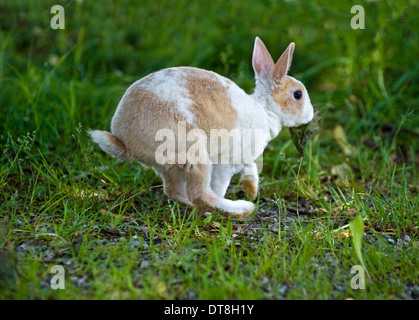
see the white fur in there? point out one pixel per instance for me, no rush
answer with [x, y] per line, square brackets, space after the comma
[308, 112]
[238, 207]
[168, 85]
[102, 139]
[220, 178]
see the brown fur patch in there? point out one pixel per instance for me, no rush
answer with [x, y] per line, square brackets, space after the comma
[283, 96]
[212, 105]
[249, 187]
[139, 116]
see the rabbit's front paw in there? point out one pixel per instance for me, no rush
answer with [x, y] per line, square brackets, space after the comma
[250, 180]
[250, 187]
[244, 209]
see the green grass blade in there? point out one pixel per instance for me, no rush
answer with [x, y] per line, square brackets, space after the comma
[356, 226]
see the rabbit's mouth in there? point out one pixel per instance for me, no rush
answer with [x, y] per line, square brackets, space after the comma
[301, 134]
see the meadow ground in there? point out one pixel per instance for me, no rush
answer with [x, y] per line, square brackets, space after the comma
[117, 236]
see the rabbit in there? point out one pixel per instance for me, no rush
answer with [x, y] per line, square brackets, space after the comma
[186, 100]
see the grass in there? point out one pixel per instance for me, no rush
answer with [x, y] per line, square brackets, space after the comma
[109, 224]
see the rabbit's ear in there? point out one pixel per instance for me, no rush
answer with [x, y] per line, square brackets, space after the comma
[262, 61]
[284, 63]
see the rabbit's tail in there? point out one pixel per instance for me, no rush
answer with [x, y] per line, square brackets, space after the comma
[111, 144]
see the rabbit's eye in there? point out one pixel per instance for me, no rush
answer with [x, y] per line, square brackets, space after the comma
[298, 94]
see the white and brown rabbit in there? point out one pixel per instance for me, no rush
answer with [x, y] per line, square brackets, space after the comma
[194, 103]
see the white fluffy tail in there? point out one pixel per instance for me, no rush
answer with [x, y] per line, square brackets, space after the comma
[110, 144]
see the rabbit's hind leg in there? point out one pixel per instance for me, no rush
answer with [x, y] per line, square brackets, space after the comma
[200, 193]
[175, 185]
